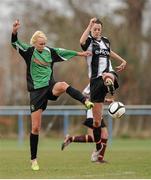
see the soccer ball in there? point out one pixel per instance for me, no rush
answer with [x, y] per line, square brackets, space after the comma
[116, 110]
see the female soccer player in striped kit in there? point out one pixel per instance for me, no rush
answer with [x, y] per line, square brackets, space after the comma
[103, 78]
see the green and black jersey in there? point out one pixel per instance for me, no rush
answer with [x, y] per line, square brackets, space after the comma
[40, 64]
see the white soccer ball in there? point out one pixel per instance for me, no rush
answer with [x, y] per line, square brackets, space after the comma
[116, 110]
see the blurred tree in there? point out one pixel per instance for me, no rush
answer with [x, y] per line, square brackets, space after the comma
[64, 31]
[64, 25]
[135, 84]
[130, 39]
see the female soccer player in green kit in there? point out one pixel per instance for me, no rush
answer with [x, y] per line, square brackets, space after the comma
[40, 59]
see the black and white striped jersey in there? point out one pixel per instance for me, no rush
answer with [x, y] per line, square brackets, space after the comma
[99, 62]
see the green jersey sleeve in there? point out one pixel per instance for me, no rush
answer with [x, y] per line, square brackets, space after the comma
[65, 54]
[17, 44]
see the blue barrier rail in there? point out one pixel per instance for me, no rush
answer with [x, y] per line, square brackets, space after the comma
[66, 112]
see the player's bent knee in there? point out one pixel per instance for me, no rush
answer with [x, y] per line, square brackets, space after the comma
[108, 75]
[63, 86]
[35, 130]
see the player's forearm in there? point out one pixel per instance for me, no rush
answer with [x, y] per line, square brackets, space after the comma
[87, 31]
[84, 53]
[14, 37]
[116, 57]
[16, 26]
[85, 35]
[14, 32]
[79, 53]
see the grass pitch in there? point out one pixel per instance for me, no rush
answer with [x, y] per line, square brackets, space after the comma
[128, 158]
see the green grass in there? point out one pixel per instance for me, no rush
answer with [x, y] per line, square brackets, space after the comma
[128, 158]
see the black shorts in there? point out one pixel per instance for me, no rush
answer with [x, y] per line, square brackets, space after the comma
[99, 90]
[89, 121]
[39, 97]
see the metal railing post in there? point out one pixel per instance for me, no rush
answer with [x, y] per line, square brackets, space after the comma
[65, 124]
[20, 128]
[110, 126]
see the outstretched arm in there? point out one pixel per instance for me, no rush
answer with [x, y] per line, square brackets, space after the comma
[87, 31]
[16, 26]
[84, 53]
[59, 54]
[14, 40]
[115, 56]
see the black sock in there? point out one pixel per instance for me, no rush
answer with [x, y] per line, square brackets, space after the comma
[96, 132]
[33, 145]
[89, 123]
[74, 93]
[97, 137]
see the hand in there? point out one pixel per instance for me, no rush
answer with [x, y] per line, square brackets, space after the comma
[16, 26]
[121, 67]
[85, 53]
[92, 21]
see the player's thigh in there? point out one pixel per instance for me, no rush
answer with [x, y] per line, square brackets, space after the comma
[108, 75]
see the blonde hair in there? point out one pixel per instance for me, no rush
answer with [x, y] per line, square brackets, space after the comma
[36, 35]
